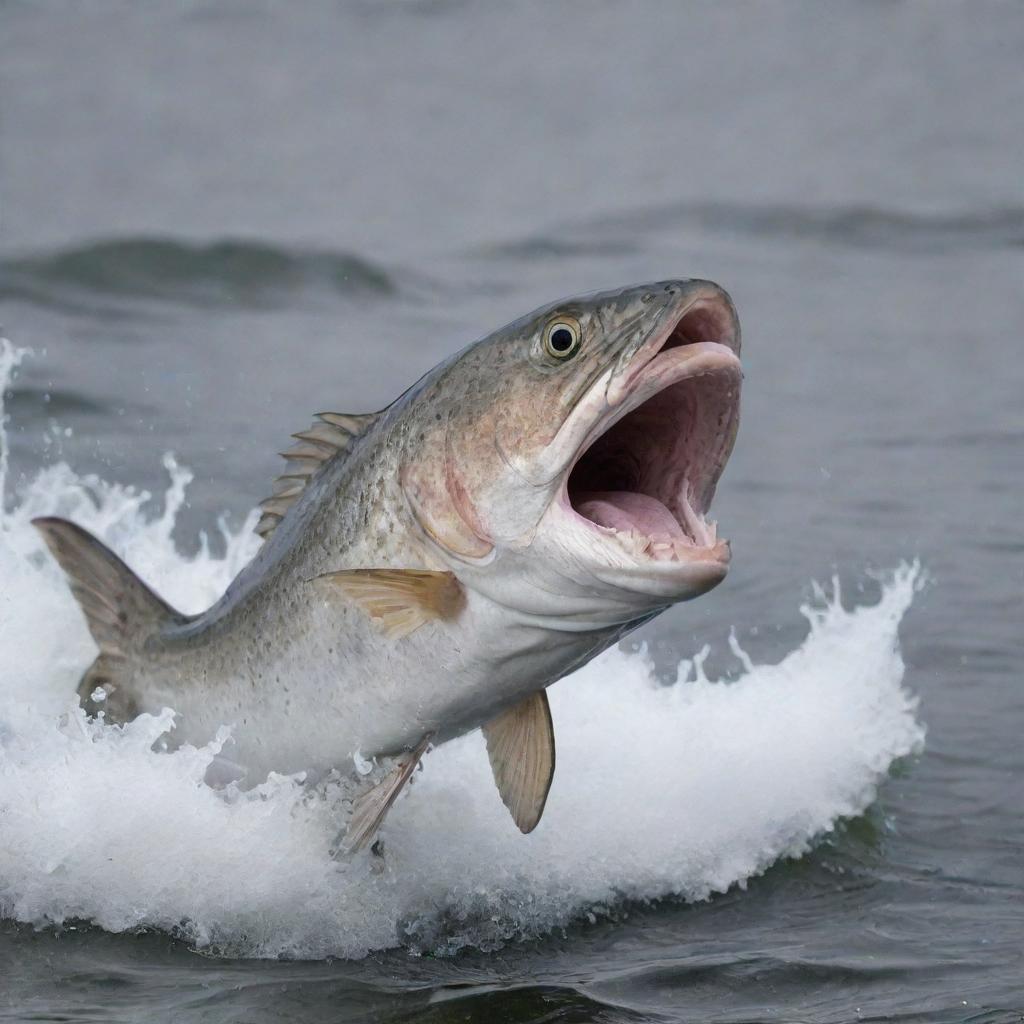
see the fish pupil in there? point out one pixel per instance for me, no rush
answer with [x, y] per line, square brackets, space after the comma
[561, 339]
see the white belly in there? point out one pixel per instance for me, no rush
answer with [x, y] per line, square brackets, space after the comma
[341, 688]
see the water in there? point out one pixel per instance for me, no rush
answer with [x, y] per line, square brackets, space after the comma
[216, 220]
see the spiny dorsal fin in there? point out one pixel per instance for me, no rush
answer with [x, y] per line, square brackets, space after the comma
[332, 433]
[399, 600]
[521, 746]
[371, 807]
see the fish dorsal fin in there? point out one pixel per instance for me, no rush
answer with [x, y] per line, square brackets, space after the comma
[398, 600]
[521, 746]
[331, 434]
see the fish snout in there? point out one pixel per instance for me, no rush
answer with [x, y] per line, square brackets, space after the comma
[694, 313]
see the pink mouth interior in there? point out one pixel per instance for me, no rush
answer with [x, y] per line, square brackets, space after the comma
[629, 510]
[654, 472]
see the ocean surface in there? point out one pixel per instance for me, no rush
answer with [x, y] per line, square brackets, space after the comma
[800, 798]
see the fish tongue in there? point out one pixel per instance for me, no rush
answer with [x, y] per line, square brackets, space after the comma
[629, 510]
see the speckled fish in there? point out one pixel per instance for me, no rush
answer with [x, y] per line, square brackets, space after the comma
[431, 568]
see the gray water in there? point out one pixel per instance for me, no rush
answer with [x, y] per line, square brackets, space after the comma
[216, 219]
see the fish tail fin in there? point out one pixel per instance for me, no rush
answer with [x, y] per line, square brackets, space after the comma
[120, 610]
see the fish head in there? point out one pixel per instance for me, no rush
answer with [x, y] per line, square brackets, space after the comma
[568, 462]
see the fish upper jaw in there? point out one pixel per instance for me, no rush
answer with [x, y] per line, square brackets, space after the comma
[697, 312]
[632, 508]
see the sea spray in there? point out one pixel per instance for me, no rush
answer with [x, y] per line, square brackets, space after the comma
[683, 790]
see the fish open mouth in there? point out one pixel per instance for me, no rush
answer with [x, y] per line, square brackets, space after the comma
[646, 480]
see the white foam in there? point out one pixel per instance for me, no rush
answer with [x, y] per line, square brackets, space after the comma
[682, 790]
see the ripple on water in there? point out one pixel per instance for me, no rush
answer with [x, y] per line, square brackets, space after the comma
[231, 272]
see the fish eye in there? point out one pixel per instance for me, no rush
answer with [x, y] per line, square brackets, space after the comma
[562, 337]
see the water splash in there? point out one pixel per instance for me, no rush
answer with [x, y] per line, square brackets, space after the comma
[10, 359]
[684, 790]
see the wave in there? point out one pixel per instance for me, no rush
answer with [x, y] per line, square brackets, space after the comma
[859, 226]
[867, 226]
[677, 791]
[224, 272]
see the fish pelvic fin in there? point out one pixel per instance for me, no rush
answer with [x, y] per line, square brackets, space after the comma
[370, 809]
[331, 436]
[521, 746]
[119, 609]
[399, 600]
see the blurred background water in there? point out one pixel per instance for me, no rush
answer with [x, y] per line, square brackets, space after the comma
[218, 218]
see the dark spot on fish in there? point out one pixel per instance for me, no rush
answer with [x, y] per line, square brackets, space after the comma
[437, 416]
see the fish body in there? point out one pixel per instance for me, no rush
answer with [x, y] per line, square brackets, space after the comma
[432, 568]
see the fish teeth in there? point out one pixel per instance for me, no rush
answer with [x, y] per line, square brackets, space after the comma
[662, 550]
[703, 533]
[631, 541]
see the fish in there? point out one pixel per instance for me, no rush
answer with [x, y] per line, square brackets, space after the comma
[431, 568]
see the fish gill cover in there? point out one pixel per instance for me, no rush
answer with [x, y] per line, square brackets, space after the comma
[97, 825]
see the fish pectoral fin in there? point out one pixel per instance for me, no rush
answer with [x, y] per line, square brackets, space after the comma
[521, 746]
[371, 808]
[399, 600]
